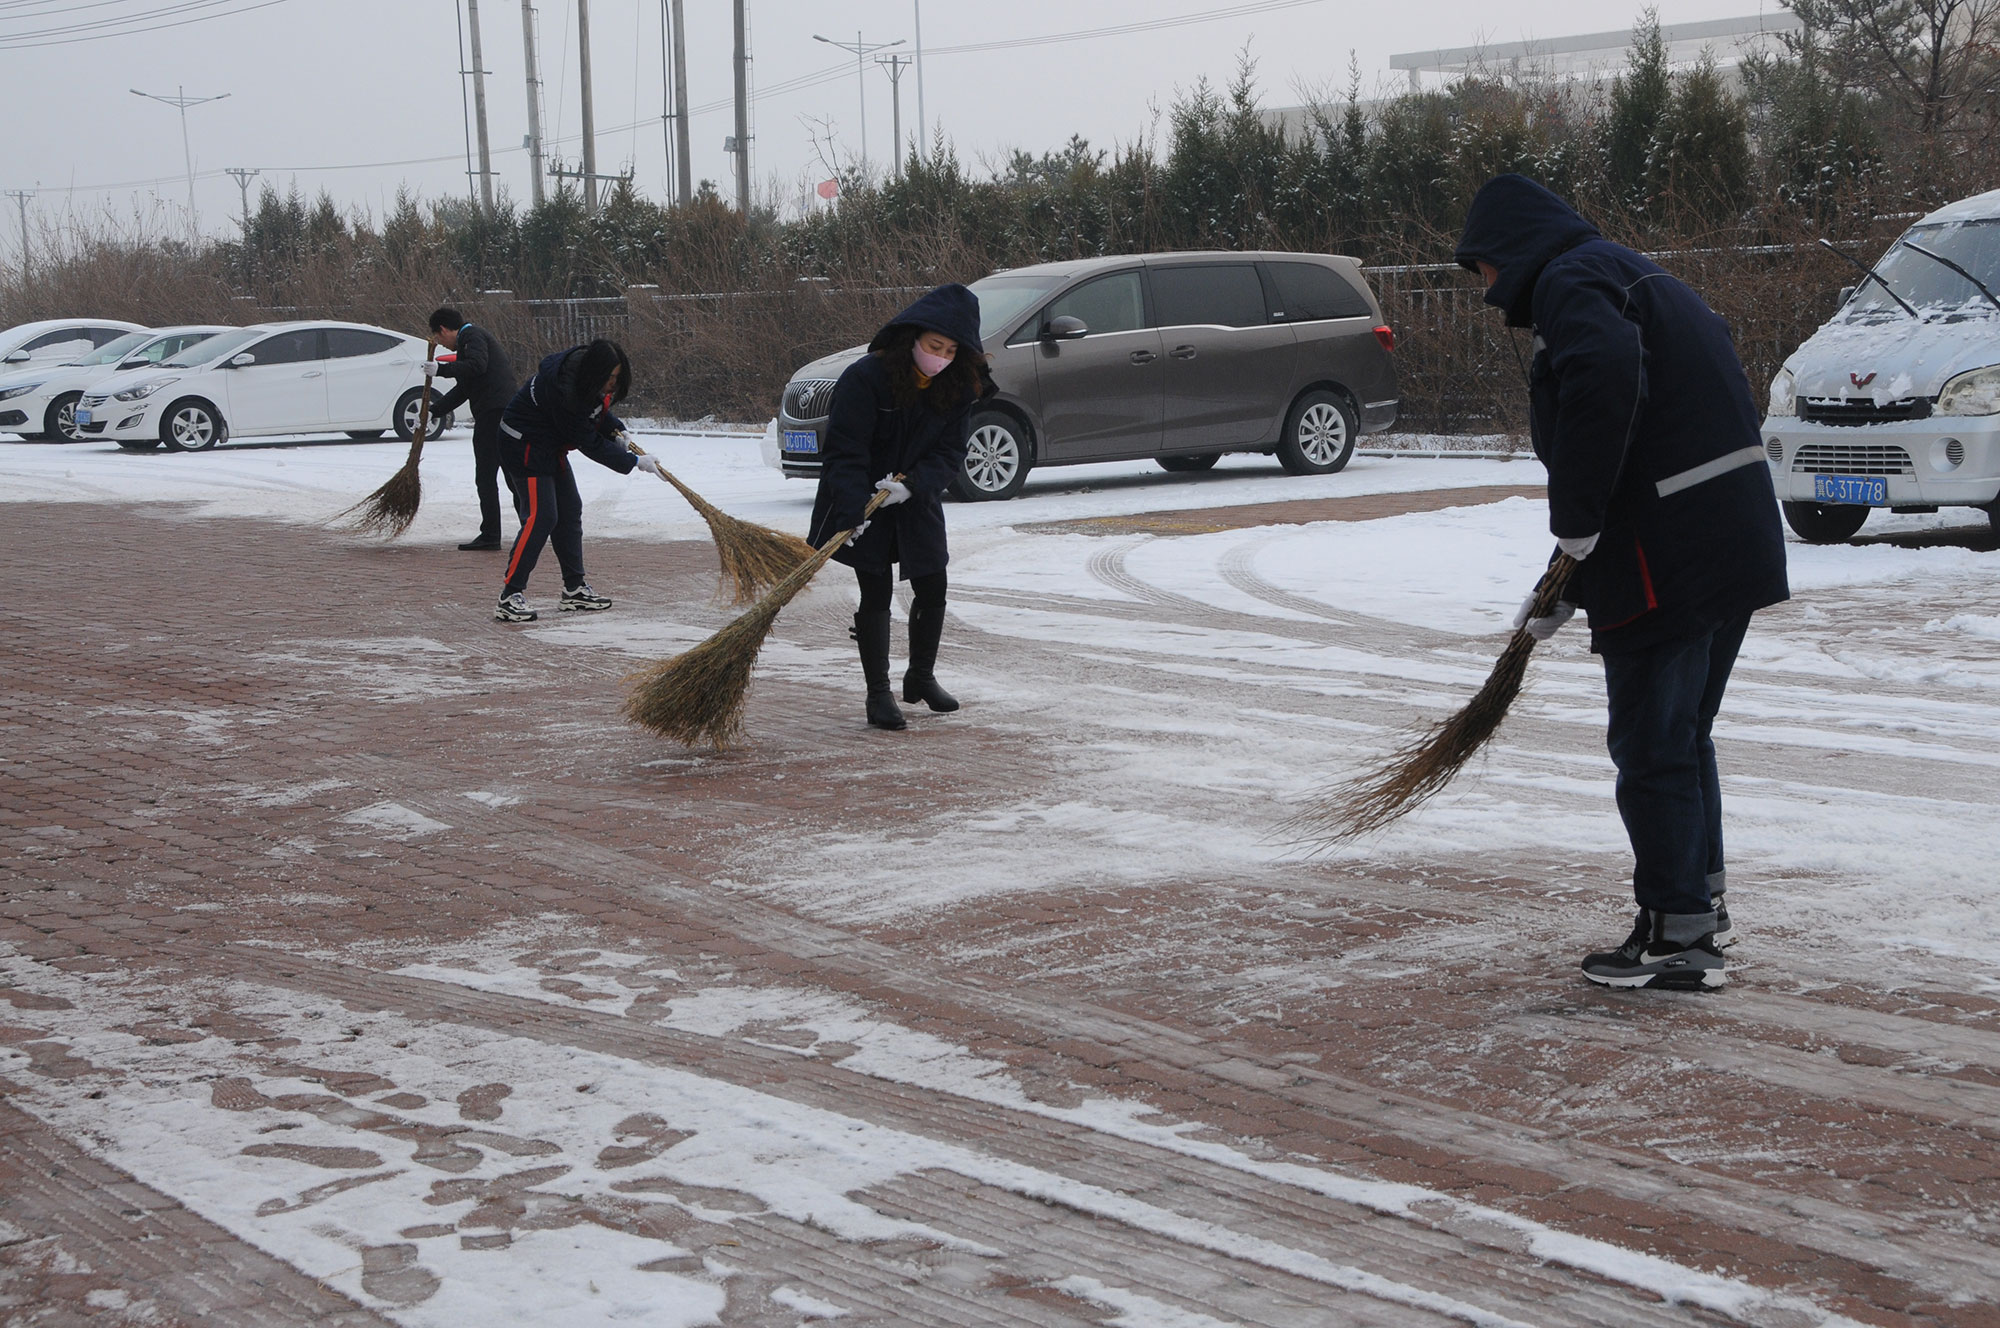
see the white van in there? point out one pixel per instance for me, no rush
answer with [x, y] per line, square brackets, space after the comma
[1895, 401]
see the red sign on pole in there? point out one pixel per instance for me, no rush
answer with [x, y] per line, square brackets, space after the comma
[828, 188]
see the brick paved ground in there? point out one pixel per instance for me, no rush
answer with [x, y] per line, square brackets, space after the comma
[234, 811]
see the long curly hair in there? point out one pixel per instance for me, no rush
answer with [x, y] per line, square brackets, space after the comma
[964, 379]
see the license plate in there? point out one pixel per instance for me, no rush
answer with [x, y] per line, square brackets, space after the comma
[1856, 490]
[83, 417]
[799, 441]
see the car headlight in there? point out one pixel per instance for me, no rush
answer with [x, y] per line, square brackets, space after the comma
[9, 393]
[1973, 393]
[1783, 400]
[140, 391]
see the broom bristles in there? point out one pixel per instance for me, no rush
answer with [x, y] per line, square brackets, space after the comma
[390, 509]
[1422, 767]
[754, 558]
[697, 696]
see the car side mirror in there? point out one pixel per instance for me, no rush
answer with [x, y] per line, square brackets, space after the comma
[17, 357]
[239, 361]
[1064, 327]
[1846, 294]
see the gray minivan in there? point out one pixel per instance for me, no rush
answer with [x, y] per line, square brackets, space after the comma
[1179, 357]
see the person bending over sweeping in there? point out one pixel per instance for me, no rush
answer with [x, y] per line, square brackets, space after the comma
[484, 377]
[899, 420]
[1642, 413]
[566, 406]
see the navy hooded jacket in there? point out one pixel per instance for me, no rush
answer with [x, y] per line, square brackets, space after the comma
[1644, 417]
[869, 436]
[545, 421]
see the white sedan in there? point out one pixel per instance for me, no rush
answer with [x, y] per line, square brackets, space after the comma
[274, 378]
[40, 403]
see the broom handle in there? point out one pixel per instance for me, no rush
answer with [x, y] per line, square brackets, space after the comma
[1548, 591]
[424, 410]
[833, 542]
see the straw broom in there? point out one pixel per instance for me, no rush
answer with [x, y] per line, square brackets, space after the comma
[390, 509]
[1413, 775]
[697, 696]
[754, 558]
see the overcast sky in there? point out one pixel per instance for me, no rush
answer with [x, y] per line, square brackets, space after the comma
[358, 97]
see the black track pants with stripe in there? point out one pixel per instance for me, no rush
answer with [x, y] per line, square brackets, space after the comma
[550, 508]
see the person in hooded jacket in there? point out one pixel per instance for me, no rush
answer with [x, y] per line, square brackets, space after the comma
[1643, 415]
[565, 407]
[899, 421]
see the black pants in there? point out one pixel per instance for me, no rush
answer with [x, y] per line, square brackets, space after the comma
[550, 509]
[486, 470]
[1663, 705]
[878, 590]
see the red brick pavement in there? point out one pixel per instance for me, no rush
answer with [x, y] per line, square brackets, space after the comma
[184, 729]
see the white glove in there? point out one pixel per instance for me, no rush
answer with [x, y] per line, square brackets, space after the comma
[650, 464]
[430, 368]
[1543, 628]
[1578, 546]
[896, 489]
[857, 532]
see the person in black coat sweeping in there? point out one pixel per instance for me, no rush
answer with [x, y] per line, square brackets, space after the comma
[565, 407]
[484, 379]
[899, 421]
[1644, 417]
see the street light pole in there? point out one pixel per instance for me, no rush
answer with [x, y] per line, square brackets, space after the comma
[862, 50]
[181, 101]
[923, 125]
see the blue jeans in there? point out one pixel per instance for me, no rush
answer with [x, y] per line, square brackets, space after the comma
[1663, 702]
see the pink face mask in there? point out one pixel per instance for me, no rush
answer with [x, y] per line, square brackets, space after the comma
[929, 365]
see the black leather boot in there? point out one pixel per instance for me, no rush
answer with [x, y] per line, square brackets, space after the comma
[871, 634]
[920, 681]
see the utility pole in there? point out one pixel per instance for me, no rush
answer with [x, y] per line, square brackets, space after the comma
[22, 196]
[589, 119]
[181, 101]
[923, 125]
[479, 107]
[534, 103]
[862, 50]
[243, 178]
[895, 64]
[739, 142]
[683, 157]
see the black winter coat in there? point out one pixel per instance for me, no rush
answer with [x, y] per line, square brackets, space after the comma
[868, 436]
[543, 423]
[1644, 417]
[482, 372]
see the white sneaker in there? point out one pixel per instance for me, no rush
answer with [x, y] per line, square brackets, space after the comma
[513, 608]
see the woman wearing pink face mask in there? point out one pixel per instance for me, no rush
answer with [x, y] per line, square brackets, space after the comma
[900, 421]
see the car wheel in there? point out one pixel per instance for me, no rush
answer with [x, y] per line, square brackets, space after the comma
[996, 459]
[59, 420]
[192, 426]
[1319, 434]
[1824, 523]
[138, 444]
[409, 406]
[365, 435]
[1188, 464]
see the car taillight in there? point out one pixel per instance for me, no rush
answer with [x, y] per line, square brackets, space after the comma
[1387, 336]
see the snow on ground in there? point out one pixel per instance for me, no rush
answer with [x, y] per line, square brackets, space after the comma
[1206, 683]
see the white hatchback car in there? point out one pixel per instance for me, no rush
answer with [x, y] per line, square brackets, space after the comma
[274, 378]
[40, 403]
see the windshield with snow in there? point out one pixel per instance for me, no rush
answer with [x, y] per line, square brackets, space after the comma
[113, 351]
[1933, 288]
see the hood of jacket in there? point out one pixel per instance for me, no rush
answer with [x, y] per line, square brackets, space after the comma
[1517, 226]
[951, 310]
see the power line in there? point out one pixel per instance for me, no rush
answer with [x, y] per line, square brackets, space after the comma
[55, 37]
